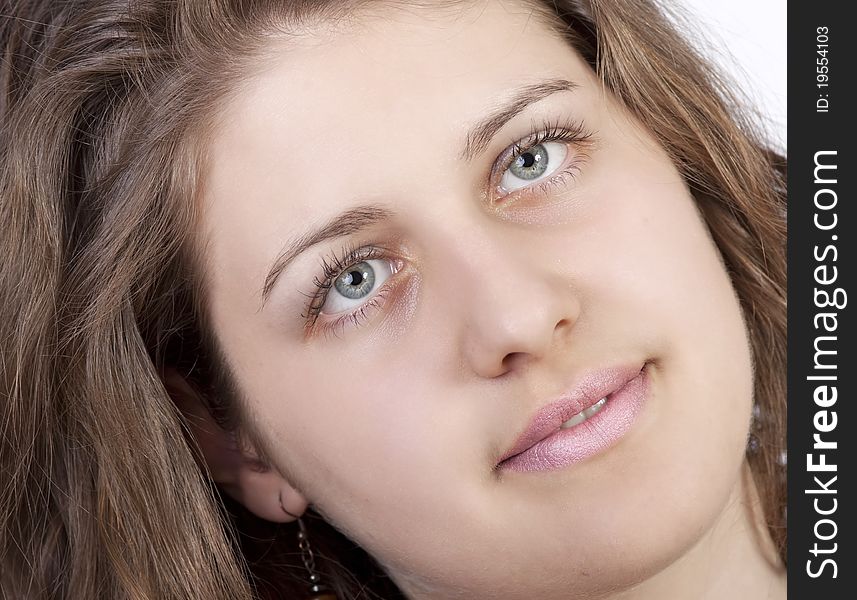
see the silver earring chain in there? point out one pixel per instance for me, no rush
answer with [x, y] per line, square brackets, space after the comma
[308, 557]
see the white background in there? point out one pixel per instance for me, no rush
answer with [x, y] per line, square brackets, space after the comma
[747, 38]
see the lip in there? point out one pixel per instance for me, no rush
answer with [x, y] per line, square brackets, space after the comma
[543, 445]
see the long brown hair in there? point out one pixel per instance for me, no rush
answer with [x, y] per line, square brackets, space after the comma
[104, 110]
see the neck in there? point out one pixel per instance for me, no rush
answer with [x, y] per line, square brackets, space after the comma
[734, 559]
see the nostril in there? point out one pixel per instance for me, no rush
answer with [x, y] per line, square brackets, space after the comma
[514, 360]
[562, 323]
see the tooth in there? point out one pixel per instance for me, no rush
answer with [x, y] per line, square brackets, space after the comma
[584, 414]
[575, 420]
[594, 408]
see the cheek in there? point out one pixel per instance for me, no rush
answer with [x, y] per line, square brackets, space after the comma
[651, 252]
[658, 277]
[359, 431]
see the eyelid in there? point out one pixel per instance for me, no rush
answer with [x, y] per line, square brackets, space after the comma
[333, 324]
[358, 316]
[334, 264]
[567, 130]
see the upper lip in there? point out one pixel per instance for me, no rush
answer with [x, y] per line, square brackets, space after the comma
[583, 393]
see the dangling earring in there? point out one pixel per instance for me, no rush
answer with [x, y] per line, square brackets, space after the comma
[317, 590]
[755, 425]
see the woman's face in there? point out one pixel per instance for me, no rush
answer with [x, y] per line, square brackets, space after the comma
[486, 292]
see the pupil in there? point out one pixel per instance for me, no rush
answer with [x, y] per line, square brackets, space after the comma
[529, 159]
[357, 281]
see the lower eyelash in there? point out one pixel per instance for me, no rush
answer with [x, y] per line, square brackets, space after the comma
[332, 266]
[570, 132]
[556, 180]
[356, 317]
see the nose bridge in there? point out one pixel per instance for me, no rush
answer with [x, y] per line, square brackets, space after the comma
[507, 298]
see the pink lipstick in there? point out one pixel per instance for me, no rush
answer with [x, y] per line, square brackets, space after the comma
[592, 416]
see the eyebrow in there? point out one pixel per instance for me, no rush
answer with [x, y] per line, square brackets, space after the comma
[360, 218]
[484, 131]
[349, 222]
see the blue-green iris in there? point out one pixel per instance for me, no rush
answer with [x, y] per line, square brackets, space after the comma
[357, 281]
[530, 164]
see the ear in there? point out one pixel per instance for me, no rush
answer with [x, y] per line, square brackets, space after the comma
[234, 464]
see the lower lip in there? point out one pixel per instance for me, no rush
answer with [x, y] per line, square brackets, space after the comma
[594, 435]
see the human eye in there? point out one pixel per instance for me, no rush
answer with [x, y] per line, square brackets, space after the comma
[352, 284]
[548, 157]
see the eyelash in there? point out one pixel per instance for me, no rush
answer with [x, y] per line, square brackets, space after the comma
[570, 132]
[331, 267]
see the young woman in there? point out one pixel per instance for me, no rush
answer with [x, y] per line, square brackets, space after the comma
[384, 299]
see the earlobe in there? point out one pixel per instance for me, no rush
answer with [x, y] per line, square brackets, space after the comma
[266, 494]
[233, 466]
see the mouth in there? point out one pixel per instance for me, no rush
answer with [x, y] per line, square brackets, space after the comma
[593, 415]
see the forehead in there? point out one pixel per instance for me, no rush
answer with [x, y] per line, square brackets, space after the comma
[374, 110]
[392, 78]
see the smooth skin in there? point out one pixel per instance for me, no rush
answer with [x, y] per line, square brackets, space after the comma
[494, 303]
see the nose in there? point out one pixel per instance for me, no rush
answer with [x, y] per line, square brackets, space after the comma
[515, 305]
